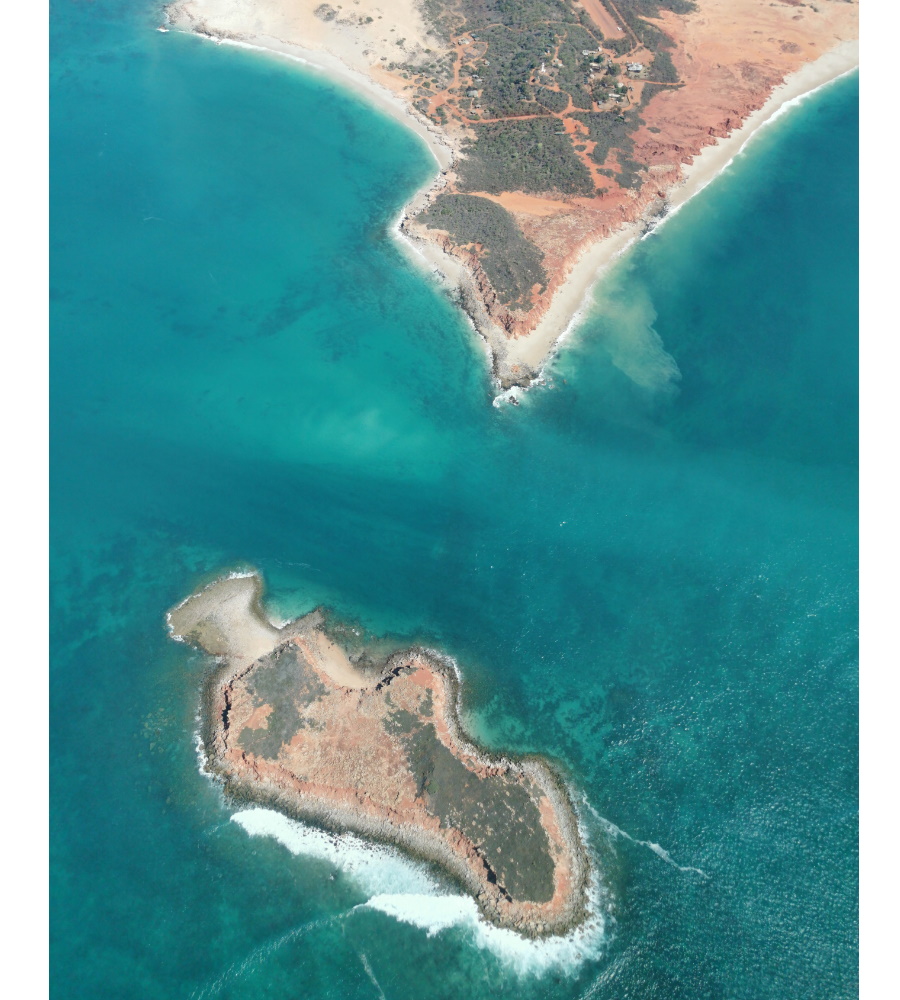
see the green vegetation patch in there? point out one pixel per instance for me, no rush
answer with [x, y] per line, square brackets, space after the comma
[634, 12]
[650, 91]
[533, 156]
[518, 14]
[662, 69]
[400, 722]
[619, 46]
[514, 54]
[512, 264]
[612, 130]
[498, 814]
[582, 98]
[552, 100]
[652, 8]
[503, 78]
[572, 74]
[440, 20]
[283, 680]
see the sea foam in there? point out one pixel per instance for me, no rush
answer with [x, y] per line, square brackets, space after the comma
[615, 831]
[375, 868]
[434, 914]
[400, 888]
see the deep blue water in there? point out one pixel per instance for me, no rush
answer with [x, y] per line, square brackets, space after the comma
[648, 570]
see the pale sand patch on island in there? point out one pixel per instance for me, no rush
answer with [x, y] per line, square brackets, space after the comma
[227, 620]
[327, 657]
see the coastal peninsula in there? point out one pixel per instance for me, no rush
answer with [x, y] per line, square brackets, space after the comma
[312, 721]
[563, 129]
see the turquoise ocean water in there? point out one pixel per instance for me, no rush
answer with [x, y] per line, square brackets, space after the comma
[647, 570]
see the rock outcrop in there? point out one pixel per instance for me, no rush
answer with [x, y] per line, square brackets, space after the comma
[371, 743]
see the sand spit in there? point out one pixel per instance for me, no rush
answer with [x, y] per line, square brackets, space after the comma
[226, 619]
[307, 720]
[740, 63]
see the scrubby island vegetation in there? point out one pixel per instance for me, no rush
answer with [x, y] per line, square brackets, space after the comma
[535, 60]
[634, 13]
[532, 155]
[610, 130]
[367, 738]
[511, 263]
[547, 103]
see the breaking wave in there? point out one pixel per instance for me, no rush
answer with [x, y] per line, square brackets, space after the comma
[435, 914]
[376, 868]
[400, 888]
[615, 831]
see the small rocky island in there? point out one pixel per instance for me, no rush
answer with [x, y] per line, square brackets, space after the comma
[309, 720]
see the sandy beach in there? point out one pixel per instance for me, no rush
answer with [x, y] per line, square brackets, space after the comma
[336, 62]
[573, 298]
[227, 619]
[712, 160]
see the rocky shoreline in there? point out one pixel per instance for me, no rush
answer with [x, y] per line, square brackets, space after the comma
[361, 781]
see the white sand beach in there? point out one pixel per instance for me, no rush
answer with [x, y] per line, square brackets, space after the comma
[573, 299]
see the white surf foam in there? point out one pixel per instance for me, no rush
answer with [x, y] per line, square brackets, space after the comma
[660, 852]
[376, 868]
[407, 892]
[432, 913]
[435, 914]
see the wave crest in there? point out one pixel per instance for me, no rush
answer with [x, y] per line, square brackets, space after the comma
[406, 891]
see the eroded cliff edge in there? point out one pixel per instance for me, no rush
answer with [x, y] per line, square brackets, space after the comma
[369, 741]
